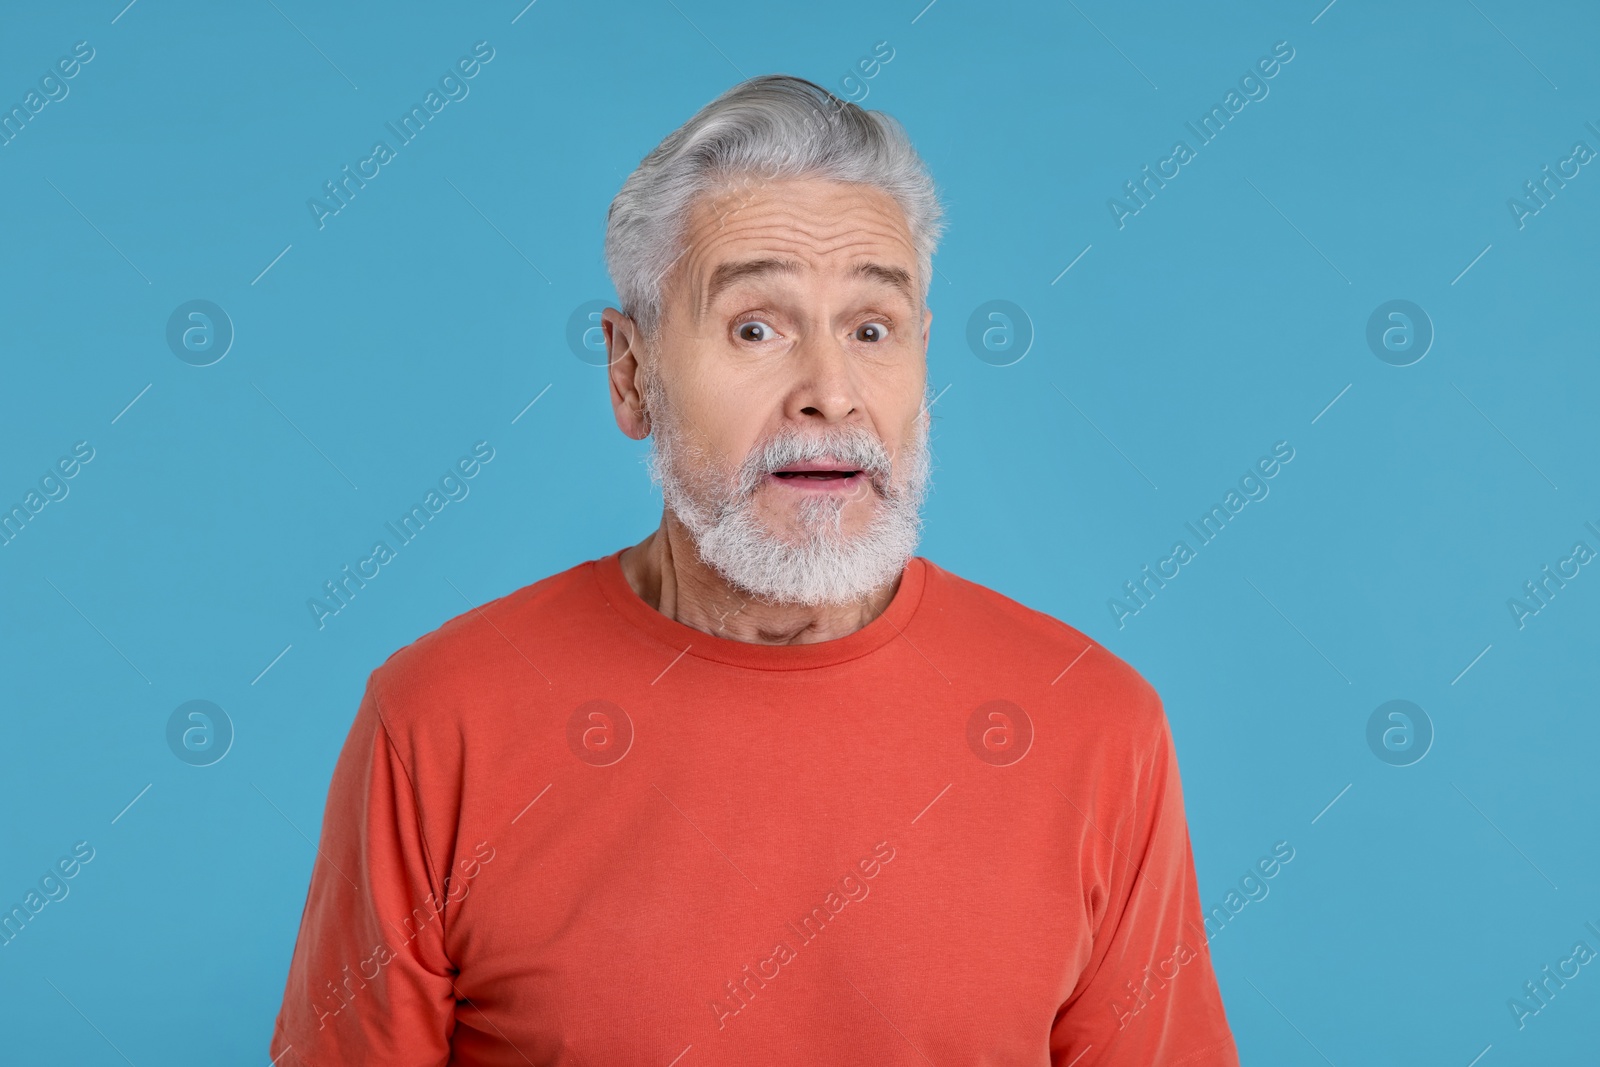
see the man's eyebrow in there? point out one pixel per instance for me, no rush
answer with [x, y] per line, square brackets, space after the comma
[894, 276]
[728, 273]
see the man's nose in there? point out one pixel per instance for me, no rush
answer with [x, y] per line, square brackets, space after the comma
[827, 385]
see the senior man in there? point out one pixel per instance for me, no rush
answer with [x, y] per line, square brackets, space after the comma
[766, 787]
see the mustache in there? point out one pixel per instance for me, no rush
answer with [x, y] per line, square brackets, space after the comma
[858, 449]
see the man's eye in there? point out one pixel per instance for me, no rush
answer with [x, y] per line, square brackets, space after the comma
[871, 331]
[754, 330]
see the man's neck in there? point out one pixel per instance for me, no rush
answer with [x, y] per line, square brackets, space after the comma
[667, 573]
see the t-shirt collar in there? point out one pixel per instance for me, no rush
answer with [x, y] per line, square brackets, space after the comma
[680, 637]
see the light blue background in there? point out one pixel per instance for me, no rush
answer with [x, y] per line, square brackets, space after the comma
[1222, 318]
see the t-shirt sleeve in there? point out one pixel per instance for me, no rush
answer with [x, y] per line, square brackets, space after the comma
[369, 981]
[1148, 996]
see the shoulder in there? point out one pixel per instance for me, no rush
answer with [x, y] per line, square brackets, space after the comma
[485, 654]
[1025, 642]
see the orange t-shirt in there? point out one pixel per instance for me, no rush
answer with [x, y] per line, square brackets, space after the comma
[566, 829]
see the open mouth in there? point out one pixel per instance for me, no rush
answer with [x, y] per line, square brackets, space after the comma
[823, 475]
[829, 475]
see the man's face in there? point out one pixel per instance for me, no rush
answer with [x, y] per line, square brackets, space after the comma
[786, 388]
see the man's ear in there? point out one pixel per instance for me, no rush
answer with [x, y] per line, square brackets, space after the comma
[927, 324]
[624, 353]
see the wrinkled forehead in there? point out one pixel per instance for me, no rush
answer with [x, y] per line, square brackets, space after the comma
[787, 231]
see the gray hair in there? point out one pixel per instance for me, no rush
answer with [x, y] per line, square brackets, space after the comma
[767, 128]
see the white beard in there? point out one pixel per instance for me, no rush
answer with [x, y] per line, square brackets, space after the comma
[824, 566]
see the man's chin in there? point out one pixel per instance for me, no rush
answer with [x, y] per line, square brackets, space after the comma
[800, 531]
[799, 509]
